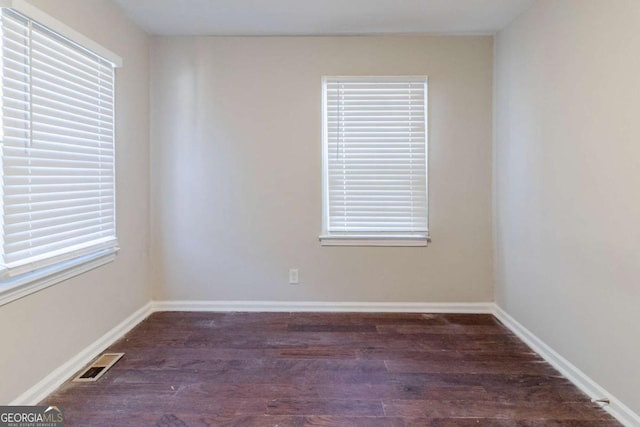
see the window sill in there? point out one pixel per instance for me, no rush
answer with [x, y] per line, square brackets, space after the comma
[354, 240]
[25, 284]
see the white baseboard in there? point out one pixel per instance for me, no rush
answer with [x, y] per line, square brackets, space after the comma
[616, 408]
[56, 378]
[305, 306]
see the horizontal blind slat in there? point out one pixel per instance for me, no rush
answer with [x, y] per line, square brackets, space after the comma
[21, 251]
[13, 216]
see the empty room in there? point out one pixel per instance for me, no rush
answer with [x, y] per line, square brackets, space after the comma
[341, 213]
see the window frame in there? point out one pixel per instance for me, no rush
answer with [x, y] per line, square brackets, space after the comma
[20, 285]
[328, 238]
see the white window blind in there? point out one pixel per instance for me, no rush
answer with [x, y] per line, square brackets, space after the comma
[58, 191]
[375, 157]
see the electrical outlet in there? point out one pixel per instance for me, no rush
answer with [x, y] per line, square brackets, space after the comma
[293, 276]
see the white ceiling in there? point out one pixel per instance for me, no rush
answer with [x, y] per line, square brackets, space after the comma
[321, 17]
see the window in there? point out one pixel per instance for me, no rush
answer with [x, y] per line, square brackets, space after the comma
[375, 161]
[57, 153]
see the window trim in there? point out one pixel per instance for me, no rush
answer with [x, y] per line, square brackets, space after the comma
[369, 239]
[385, 240]
[18, 286]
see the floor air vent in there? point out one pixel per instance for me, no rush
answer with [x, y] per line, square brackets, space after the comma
[101, 365]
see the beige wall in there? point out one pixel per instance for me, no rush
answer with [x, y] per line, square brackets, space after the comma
[40, 332]
[567, 176]
[236, 178]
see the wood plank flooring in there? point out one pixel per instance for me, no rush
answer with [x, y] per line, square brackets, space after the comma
[311, 369]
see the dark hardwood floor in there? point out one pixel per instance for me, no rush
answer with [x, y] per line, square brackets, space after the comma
[308, 369]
